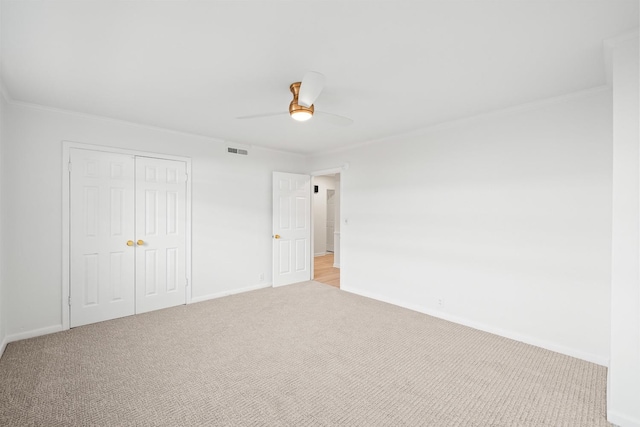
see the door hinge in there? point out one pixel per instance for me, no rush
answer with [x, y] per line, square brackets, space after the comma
[187, 280]
[69, 300]
[69, 166]
[186, 177]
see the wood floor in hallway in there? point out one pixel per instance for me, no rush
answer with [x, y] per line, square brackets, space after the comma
[325, 272]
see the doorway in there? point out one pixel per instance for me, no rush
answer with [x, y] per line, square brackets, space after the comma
[326, 229]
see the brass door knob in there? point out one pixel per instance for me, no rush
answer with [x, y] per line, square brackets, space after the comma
[140, 242]
[129, 242]
[277, 236]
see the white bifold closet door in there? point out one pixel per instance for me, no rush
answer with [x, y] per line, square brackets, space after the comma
[160, 233]
[101, 222]
[127, 235]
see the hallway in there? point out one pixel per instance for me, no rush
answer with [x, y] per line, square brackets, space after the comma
[325, 272]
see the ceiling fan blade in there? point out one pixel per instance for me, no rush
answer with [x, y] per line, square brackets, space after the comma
[335, 118]
[311, 86]
[259, 116]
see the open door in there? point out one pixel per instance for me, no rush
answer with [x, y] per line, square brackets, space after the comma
[291, 228]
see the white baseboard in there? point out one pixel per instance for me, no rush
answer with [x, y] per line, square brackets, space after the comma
[58, 328]
[320, 254]
[230, 292]
[622, 420]
[3, 345]
[33, 333]
[336, 265]
[589, 357]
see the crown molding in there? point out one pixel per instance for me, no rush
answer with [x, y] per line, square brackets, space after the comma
[275, 150]
[5, 93]
[628, 35]
[246, 146]
[456, 123]
[609, 45]
[208, 138]
[448, 124]
[113, 120]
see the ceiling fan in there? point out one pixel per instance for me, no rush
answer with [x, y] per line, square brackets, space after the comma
[301, 107]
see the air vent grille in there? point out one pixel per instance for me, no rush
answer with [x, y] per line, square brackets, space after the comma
[237, 151]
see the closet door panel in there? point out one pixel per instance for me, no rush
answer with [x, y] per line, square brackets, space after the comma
[101, 223]
[161, 233]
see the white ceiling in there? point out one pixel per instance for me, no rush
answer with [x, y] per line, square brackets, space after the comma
[392, 66]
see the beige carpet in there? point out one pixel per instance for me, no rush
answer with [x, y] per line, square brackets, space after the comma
[300, 355]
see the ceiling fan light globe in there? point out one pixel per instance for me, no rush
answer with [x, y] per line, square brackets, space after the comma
[301, 115]
[298, 112]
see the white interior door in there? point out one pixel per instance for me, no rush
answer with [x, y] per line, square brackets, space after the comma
[291, 228]
[160, 233]
[100, 213]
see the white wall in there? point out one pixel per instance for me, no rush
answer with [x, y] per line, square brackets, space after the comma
[231, 220]
[336, 245]
[624, 374]
[324, 183]
[336, 183]
[504, 219]
[3, 242]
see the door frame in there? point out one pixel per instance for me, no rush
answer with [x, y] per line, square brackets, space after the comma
[335, 220]
[66, 226]
[340, 170]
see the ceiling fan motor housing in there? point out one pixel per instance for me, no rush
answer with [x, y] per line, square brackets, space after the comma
[294, 107]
